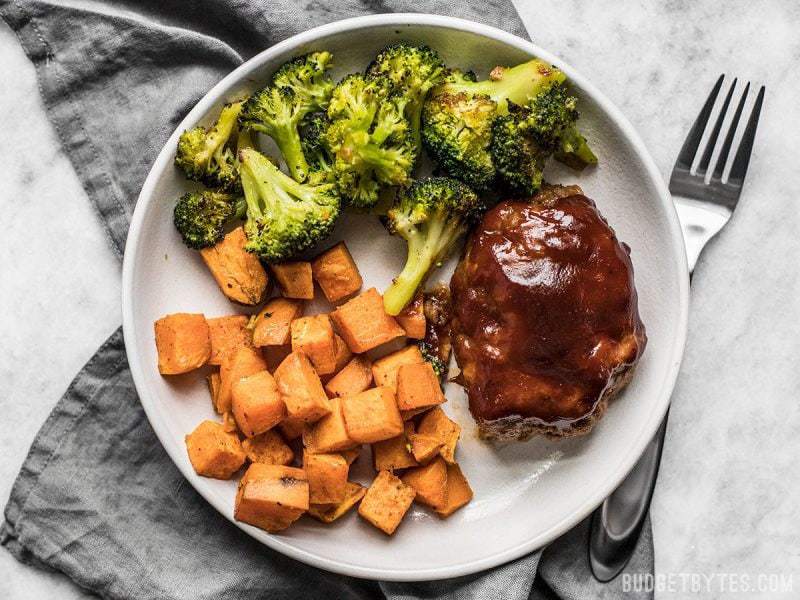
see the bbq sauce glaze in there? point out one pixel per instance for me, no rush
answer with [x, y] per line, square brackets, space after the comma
[545, 310]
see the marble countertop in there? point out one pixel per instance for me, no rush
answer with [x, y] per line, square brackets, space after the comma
[726, 513]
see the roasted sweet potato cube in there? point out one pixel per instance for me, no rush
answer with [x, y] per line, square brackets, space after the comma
[275, 355]
[295, 279]
[183, 343]
[256, 403]
[292, 428]
[301, 389]
[238, 273]
[430, 483]
[242, 363]
[328, 513]
[364, 324]
[407, 415]
[213, 381]
[336, 273]
[329, 434]
[213, 451]
[351, 454]
[425, 447]
[271, 497]
[384, 370]
[437, 424]
[386, 502]
[271, 326]
[458, 491]
[229, 423]
[343, 353]
[227, 335]
[394, 453]
[327, 477]
[355, 377]
[418, 387]
[313, 336]
[412, 319]
[268, 448]
[371, 416]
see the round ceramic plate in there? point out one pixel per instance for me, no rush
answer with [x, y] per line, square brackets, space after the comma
[526, 493]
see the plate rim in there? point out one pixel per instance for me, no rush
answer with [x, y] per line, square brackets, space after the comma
[164, 160]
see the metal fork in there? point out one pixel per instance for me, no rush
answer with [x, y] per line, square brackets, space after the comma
[704, 205]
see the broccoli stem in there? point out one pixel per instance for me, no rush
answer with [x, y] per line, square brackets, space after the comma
[426, 247]
[574, 151]
[223, 129]
[288, 141]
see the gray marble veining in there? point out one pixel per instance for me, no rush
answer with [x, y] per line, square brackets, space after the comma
[727, 504]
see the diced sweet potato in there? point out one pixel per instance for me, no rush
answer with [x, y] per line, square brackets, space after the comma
[238, 273]
[437, 424]
[229, 423]
[355, 377]
[384, 370]
[183, 343]
[364, 324]
[407, 415]
[213, 386]
[213, 451]
[412, 319]
[430, 483]
[256, 403]
[313, 336]
[329, 434]
[271, 326]
[327, 477]
[301, 389]
[271, 497]
[295, 279]
[242, 363]
[351, 454]
[227, 335]
[292, 428]
[372, 415]
[418, 387]
[275, 355]
[425, 447]
[386, 502]
[343, 354]
[336, 273]
[268, 448]
[328, 513]
[458, 491]
[394, 453]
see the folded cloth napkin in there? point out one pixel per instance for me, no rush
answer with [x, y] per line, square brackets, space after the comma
[97, 497]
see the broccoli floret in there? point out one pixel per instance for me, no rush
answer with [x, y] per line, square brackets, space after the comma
[527, 136]
[297, 89]
[458, 115]
[368, 139]
[412, 70]
[200, 217]
[430, 355]
[284, 217]
[430, 215]
[312, 138]
[207, 155]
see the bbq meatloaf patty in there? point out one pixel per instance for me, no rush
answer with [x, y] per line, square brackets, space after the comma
[545, 325]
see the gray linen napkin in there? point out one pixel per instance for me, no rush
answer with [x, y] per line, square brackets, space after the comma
[97, 497]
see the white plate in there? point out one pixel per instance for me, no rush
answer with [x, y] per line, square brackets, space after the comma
[526, 494]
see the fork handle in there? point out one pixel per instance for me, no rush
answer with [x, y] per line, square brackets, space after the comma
[699, 223]
[617, 523]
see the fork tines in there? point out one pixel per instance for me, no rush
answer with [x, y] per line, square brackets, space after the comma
[741, 159]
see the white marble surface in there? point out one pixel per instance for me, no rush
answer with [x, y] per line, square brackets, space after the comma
[727, 505]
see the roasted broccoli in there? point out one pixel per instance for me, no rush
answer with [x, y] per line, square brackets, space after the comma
[297, 89]
[527, 136]
[368, 139]
[208, 155]
[458, 115]
[430, 215]
[413, 71]
[312, 138]
[284, 217]
[200, 217]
